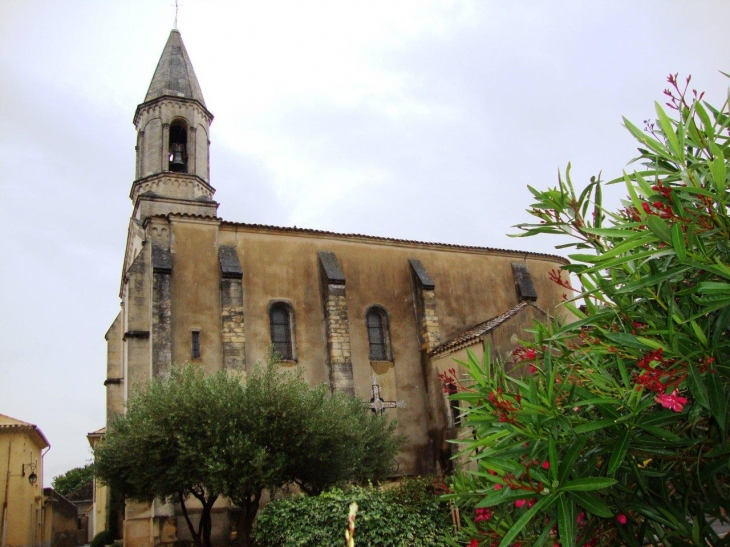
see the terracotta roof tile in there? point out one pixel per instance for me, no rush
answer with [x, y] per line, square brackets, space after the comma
[312, 231]
[479, 330]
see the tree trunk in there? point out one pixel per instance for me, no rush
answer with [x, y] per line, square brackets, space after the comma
[201, 536]
[249, 508]
[196, 535]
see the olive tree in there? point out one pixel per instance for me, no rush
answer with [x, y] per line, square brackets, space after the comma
[192, 435]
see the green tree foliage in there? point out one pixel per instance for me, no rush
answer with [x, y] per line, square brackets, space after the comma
[408, 515]
[205, 436]
[618, 434]
[73, 479]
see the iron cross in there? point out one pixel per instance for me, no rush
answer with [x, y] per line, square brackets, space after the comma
[377, 404]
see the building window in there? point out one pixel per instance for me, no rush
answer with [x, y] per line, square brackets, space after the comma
[178, 147]
[195, 345]
[378, 335]
[281, 331]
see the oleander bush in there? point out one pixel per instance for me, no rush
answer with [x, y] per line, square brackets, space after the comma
[408, 515]
[617, 434]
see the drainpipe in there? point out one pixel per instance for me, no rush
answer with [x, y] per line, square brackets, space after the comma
[43, 505]
[4, 523]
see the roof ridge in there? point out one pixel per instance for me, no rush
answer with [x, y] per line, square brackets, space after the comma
[482, 328]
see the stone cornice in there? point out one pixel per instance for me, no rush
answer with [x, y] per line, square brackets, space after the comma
[160, 101]
[149, 182]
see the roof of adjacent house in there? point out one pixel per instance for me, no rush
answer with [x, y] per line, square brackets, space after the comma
[468, 336]
[9, 425]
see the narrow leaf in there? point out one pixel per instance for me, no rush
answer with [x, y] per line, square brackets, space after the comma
[659, 227]
[566, 521]
[697, 386]
[587, 484]
[619, 452]
[678, 242]
[592, 503]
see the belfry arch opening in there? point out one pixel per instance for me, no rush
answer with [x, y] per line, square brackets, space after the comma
[178, 147]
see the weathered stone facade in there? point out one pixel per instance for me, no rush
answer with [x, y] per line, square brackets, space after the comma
[197, 288]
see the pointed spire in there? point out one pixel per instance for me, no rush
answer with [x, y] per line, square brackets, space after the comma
[174, 75]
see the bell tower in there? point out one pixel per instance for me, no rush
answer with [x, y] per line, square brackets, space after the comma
[173, 124]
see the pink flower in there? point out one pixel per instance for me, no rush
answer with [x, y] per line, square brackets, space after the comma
[546, 464]
[533, 369]
[581, 516]
[498, 486]
[483, 513]
[621, 518]
[520, 503]
[673, 401]
[474, 543]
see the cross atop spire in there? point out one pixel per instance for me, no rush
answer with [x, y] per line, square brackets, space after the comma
[176, 8]
[174, 75]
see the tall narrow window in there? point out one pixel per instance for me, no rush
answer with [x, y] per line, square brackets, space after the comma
[178, 147]
[378, 336]
[195, 345]
[280, 319]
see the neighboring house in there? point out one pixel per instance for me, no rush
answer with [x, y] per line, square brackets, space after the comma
[348, 309]
[61, 526]
[22, 447]
[83, 499]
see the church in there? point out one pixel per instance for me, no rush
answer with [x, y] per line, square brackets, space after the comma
[362, 314]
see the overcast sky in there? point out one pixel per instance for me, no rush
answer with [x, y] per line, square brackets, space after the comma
[409, 119]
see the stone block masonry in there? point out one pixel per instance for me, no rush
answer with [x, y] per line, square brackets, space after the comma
[233, 335]
[337, 324]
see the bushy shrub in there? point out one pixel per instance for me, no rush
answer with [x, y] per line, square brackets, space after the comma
[409, 515]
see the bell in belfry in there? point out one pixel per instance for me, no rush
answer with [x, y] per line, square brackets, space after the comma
[177, 158]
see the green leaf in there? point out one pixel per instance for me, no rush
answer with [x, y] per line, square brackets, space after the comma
[619, 451]
[553, 458]
[566, 465]
[566, 521]
[592, 426]
[716, 398]
[697, 386]
[699, 334]
[526, 518]
[587, 484]
[718, 168]
[592, 503]
[668, 130]
[678, 242]
[659, 228]
[706, 123]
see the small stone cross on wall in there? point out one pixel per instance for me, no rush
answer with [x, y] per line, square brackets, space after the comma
[377, 404]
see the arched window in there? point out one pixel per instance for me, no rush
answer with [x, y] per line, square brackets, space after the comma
[378, 335]
[281, 331]
[178, 147]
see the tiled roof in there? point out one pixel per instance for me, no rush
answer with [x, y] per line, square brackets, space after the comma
[8, 424]
[479, 330]
[311, 231]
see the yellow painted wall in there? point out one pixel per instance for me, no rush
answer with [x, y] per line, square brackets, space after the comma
[21, 522]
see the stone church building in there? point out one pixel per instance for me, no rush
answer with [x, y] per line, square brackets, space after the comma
[349, 310]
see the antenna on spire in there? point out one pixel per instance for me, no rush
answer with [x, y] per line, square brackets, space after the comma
[176, 8]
